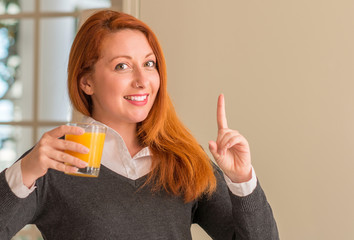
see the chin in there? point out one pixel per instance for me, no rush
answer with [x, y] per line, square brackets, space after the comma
[138, 119]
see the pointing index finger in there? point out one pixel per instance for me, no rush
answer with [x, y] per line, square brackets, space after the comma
[221, 114]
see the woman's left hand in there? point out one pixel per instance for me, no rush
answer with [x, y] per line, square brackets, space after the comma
[231, 150]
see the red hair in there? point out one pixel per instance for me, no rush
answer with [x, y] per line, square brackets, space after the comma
[180, 166]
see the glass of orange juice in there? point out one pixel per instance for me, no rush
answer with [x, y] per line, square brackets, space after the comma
[93, 138]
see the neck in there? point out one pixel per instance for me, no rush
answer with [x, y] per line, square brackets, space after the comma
[129, 136]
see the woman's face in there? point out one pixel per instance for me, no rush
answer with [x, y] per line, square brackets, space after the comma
[125, 80]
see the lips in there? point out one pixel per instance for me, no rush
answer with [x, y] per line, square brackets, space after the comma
[138, 99]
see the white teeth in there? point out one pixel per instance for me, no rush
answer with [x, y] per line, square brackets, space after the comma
[136, 98]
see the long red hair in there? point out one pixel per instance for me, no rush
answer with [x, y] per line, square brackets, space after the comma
[180, 166]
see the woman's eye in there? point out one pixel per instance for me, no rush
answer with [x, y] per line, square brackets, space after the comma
[121, 66]
[150, 64]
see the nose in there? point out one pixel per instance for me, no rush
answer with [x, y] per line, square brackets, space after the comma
[140, 79]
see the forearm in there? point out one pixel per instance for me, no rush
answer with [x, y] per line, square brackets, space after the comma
[28, 177]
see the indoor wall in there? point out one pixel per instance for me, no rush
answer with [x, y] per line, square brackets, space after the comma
[286, 69]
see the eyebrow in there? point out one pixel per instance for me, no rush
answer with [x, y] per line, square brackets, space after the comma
[129, 57]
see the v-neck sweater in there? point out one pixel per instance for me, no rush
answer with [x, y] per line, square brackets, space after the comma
[115, 207]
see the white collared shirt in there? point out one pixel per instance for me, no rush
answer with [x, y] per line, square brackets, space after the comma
[117, 158]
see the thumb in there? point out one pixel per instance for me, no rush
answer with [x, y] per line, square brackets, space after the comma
[214, 149]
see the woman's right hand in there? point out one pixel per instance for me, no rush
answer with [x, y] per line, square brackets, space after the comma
[49, 152]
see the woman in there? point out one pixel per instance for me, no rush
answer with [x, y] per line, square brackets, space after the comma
[155, 180]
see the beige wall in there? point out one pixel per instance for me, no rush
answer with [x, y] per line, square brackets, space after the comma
[286, 69]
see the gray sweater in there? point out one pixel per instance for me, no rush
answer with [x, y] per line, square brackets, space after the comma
[115, 207]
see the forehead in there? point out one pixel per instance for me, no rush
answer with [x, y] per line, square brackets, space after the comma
[125, 42]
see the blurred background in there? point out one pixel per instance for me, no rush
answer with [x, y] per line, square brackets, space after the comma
[285, 67]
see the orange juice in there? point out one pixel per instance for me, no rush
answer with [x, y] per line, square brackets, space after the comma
[94, 141]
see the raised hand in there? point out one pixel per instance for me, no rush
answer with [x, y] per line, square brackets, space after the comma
[231, 150]
[49, 152]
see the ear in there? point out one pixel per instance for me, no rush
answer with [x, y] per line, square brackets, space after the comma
[86, 85]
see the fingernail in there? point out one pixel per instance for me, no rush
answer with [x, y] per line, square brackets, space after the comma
[86, 150]
[83, 164]
[82, 131]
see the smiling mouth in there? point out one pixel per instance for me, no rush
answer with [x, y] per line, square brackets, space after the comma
[136, 98]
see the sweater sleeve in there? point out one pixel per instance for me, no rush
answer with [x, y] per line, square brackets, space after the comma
[224, 215]
[15, 212]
